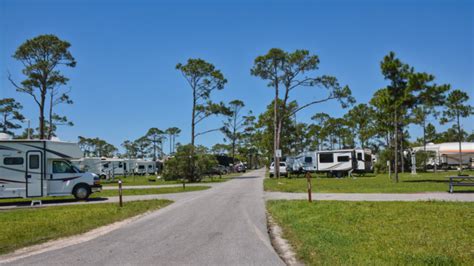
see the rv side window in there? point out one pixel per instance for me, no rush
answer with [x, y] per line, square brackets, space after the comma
[105, 165]
[150, 166]
[12, 160]
[34, 161]
[62, 167]
[141, 167]
[326, 158]
[343, 158]
[359, 156]
[120, 165]
[308, 160]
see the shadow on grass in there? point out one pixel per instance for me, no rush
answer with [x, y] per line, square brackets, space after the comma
[426, 181]
[463, 191]
[22, 203]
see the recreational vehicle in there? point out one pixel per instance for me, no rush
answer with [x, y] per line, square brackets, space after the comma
[38, 168]
[365, 161]
[337, 162]
[145, 167]
[103, 167]
[333, 162]
[446, 154]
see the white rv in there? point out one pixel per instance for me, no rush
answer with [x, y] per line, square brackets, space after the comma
[365, 161]
[38, 168]
[145, 167]
[337, 162]
[103, 167]
[446, 154]
[334, 162]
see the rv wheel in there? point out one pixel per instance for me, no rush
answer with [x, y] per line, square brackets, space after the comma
[81, 192]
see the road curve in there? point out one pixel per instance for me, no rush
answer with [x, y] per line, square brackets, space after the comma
[225, 225]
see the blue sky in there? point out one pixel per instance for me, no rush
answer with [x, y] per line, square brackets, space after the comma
[125, 80]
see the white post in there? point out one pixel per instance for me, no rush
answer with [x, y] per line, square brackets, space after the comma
[389, 170]
[413, 162]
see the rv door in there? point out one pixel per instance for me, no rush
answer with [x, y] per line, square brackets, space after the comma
[34, 170]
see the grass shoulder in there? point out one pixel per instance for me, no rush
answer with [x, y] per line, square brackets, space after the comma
[25, 227]
[377, 233]
[381, 183]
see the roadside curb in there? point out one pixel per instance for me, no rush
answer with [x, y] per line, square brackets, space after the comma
[70, 240]
[281, 245]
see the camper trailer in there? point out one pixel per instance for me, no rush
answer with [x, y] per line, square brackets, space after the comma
[365, 161]
[337, 163]
[103, 167]
[446, 155]
[145, 167]
[38, 168]
[334, 162]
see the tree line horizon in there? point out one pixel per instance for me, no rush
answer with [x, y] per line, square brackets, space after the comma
[410, 97]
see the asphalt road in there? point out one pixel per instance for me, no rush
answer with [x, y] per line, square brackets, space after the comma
[225, 225]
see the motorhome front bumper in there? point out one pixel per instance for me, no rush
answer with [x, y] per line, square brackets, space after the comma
[96, 188]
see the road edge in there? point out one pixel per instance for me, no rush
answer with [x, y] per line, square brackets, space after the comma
[281, 245]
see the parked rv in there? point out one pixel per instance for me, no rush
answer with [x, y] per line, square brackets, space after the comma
[145, 167]
[104, 167]
[333, 162]
[38, 168]
[446, 155]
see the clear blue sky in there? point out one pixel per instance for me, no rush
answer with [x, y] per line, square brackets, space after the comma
[125, 80]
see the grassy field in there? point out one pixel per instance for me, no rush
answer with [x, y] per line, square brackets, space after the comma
[151, 180]
[422, 182]
[24, 227]
[112, 193]
[378, 233]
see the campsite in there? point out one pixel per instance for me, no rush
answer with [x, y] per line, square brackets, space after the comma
[237, 132]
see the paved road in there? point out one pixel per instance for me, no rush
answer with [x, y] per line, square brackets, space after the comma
[225, 225]
[467, 197]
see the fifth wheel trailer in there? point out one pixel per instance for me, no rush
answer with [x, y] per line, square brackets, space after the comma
[333, 162]
[38, 168]
[446, 155]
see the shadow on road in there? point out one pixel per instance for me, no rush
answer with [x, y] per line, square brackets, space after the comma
[246, 177]
[25, 203]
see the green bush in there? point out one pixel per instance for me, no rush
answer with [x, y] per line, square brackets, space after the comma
[180, 166]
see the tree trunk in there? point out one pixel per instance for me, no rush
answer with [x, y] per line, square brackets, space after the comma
[276, 140]
[402, 157]
[193, 120]
[460, 140]
[396, 147]
[171, 143]
[154, 148]
[50, 129]
[44, 90]
[234, 129]
[424, 140]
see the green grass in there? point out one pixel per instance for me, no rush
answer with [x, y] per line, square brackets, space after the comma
[24, 227]
[422, 182]
[378, 233]
[151, 180]
[112, 193]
